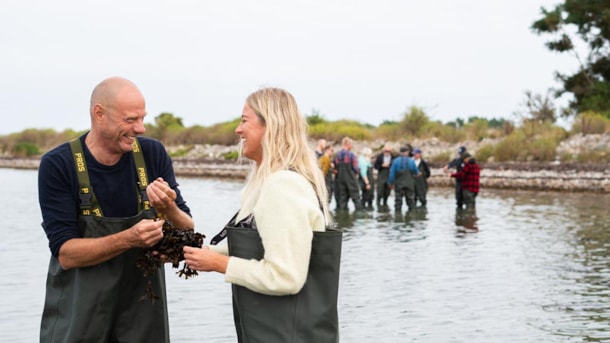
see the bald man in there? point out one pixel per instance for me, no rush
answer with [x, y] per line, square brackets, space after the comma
[100, 196]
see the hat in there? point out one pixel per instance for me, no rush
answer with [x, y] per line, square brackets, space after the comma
[462, 150]
[404, 149]
[417, 151]
[466, 155]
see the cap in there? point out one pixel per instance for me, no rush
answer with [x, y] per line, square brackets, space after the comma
[417, 151]
[466, 155]
[462, 150]
[404, 149]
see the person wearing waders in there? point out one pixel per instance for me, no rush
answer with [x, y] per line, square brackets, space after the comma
[282, 255]
[346, 177]
[382, 164]
[421, 183]
[100, 196]
[366, 178]
[402, 179]
[458, 164]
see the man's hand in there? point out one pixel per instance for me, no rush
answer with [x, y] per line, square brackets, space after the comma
[146, 233]
[160, 194]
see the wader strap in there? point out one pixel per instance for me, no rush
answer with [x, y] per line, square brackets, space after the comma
[138, 157]
[88, 202]
[223, 233]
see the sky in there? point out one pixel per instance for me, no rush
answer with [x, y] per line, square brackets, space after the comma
[368, 61]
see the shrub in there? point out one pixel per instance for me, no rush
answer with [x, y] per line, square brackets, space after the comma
[511, 148]
[443, 158]
[231, 155]
[485, 152]
[335, 131]
[25, 149]
[591, 122]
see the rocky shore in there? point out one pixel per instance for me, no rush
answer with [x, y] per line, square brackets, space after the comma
[568, 177]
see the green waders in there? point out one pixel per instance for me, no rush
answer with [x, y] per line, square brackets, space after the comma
[404, 186]
[102, 303]
[346, 186]
[306, 317]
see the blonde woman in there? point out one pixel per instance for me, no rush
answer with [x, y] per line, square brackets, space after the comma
[281, 260]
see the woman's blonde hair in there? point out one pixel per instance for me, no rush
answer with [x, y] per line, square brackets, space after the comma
[285, 145]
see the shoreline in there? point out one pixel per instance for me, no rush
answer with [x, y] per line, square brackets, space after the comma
[560, 177]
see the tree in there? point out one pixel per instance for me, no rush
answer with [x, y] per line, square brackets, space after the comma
[587, 21]
[414, 119]
[166, 124]
[537, 108]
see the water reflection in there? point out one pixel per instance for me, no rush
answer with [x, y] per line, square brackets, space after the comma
[523, 267]
[466, 220]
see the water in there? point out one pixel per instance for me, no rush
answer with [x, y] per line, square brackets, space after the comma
[528, 267]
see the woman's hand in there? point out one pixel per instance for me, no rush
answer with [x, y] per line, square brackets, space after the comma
[205, 260]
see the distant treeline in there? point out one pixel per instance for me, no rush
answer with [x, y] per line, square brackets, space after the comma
[535, 137]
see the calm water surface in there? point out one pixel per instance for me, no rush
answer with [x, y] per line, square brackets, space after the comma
[527, 267]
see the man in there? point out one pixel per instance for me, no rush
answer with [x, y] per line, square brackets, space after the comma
[382, 165]
[469, 177]
[458, 164]
[403, 172]
[346, 176]
[100, 196]
[421, 183]
[320, 147]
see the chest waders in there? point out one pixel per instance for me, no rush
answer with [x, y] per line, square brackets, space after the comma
[101, 303]
[309, 316]
[404, 187]
[346, 185]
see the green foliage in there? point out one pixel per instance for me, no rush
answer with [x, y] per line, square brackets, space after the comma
[476, 128]
[485, 152]
[315, 118]
[25, 149]
[414, 121]
[511, 148]
[535, 140]
[224, 133]
[589, 22]
[527, 145]
[442, 158]
[389, 131]
[231, 155]
[181, 152]
[591, 122]
[445, 133]
[335, 131]
[168, 128]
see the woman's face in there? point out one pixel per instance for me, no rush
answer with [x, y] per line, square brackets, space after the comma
[251, 130]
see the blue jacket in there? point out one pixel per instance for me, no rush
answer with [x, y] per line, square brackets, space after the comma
[402, 163]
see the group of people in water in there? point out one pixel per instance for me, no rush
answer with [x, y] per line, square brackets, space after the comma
[105, 196]
[365, 179]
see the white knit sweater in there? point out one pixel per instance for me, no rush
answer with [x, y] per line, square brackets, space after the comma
[286, 213]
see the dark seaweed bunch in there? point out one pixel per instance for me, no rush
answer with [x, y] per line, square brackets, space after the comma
[174, 239]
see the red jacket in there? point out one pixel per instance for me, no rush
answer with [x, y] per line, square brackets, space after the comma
[469, 175]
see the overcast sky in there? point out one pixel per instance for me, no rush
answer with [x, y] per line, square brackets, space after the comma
[363, 60]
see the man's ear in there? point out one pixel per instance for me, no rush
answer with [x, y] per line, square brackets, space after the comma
[98, 113]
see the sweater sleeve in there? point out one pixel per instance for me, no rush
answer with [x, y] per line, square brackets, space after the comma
[287, 212]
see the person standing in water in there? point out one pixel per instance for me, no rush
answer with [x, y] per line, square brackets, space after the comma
[101, 196]
[282, 257]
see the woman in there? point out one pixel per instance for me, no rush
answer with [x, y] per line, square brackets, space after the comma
[366, 178]
[282, 262]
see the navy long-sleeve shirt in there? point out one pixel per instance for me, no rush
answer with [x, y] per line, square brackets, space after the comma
[115, 187]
